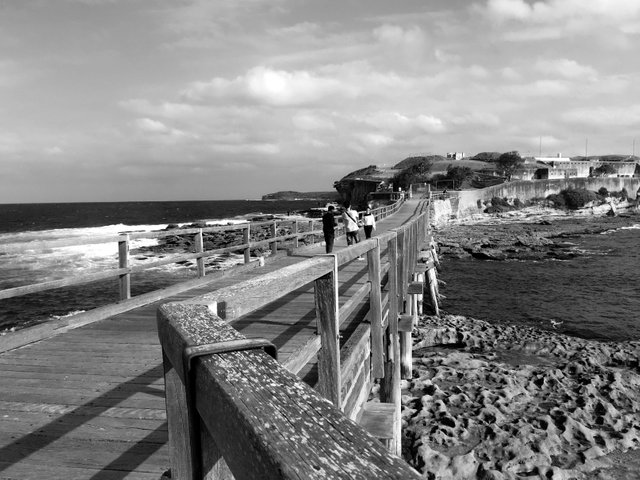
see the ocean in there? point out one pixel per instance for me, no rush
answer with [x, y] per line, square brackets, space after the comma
[23, 224]
[595, 295]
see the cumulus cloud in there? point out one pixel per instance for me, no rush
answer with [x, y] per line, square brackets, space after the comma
[475, 119]
[271, 87]
[55, 150]
[155, 127]
[604, 117]
[553, 11]
[552, 19]
[565, 68]
[312, 121]
[404, 125]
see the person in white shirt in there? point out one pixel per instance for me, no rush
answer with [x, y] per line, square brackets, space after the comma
[369, 222]
[350, 218]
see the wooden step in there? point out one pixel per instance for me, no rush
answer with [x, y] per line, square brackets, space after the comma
[378, 419]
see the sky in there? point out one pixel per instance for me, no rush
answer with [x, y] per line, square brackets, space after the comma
[119, 100]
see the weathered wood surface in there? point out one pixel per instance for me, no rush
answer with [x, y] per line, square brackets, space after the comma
[66, 401]
[281, 429]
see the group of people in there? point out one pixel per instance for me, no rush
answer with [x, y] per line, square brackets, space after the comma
[352, 223]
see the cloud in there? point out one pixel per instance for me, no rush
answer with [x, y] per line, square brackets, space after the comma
[554, 19]
[554, 11]
[475, 119]
[403, 125]
[268, 86]
[55, 150]
[604, 117]
[566, 68]
[541, 88]
[312, 121]
[155, 127]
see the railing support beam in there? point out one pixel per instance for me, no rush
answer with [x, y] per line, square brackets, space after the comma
[329, 378]
[123, 262]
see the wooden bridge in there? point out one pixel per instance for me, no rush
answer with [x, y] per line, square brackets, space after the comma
[88, 401]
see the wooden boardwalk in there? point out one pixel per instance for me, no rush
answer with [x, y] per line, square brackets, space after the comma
[89, 404]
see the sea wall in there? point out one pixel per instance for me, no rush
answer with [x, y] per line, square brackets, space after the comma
[464, 203]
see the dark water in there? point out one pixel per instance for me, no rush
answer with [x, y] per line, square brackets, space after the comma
[23, 224]
[595, 295]
[45, 216]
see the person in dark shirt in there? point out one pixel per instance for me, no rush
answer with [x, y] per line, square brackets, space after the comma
[328, 228]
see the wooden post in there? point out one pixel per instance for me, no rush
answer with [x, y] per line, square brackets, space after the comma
[420, 297]
[274, 232]
[181, 435]
[406, 342]
[390, 386]
[246, 239]
[123, 262]
[375, 311]
[200, 249]
[329, 378]
[433, 294]
[294, 228]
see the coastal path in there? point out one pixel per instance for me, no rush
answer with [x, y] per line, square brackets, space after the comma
[89, 403]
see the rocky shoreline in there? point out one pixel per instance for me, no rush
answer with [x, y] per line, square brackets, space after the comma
[505, 402]
[501, 402]
[528, 234]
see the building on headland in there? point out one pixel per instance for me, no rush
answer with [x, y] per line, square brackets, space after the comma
[559, 167]
[455, 155]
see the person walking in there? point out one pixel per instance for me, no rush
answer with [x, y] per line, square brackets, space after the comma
[351, 227]
[369, 222]
[329, 228]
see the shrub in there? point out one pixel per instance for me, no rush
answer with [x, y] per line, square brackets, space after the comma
[603, 191]
[578, 198]
[499, 202]
[557, 200]
[624, 195]
[479, 203]
[517, 203]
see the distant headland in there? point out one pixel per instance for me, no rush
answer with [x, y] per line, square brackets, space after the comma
[291, 195]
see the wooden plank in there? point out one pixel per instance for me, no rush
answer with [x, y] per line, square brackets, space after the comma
[233, 302]
[329, 381]
[64, 282]
[379, 419]
[415, 288]
[81, 427]
[390, 386]
[405, 323]
[375, 315]
[31, 471]
[356, 371]
[84, 410]
[65, 452]
[355, 300]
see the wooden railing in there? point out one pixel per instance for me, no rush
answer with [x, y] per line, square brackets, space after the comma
[240, 413]
[300, 230]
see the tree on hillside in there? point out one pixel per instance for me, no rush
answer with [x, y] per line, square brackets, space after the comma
[486, 156]
[509, 162]
[459, 174]
[418, 173]
[603, 170]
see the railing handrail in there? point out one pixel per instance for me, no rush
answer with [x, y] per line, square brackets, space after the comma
[204, 320]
